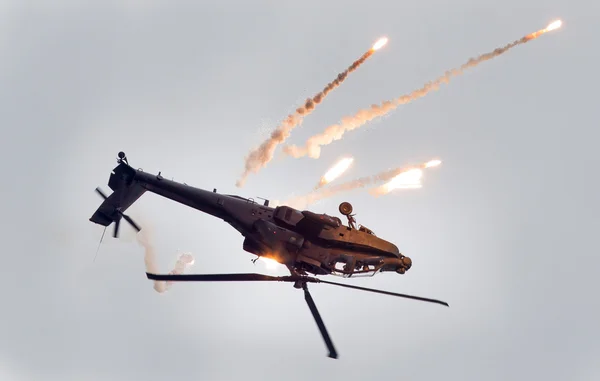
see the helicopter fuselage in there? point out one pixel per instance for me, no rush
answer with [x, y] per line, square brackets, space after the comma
[304, 241]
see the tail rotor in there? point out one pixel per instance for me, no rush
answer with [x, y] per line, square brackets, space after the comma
[119, 215]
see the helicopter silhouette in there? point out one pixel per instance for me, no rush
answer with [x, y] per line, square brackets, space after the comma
[304, 241]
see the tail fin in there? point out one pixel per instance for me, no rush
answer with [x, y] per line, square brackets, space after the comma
[126, 191]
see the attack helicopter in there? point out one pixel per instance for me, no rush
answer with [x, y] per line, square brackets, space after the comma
[304, 241]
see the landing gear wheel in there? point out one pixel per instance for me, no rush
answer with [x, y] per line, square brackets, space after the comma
[345, 208]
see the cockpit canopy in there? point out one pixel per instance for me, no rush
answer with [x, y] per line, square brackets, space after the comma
[291, 216]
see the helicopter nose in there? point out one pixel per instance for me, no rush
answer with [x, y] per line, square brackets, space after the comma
[405, 264]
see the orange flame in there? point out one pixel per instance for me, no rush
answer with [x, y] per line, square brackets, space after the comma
[270, 263]
[552, 26]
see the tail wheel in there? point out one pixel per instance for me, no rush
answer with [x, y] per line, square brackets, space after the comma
[345, 208]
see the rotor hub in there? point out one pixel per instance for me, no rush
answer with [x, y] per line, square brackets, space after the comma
[345, 208]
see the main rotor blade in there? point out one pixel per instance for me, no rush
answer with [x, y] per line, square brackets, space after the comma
[101, 193]
[387, 292]
[215, 277]
[320, 324]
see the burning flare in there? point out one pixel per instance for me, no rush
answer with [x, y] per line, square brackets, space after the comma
[336, 171]
[302, 202]
[410, 179]
[313, 145]
[432, 163]
[380, 43]
[554, 25]
[260, 156]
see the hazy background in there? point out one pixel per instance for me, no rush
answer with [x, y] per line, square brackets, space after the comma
[505, 229]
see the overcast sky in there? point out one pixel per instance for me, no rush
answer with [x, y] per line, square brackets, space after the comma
[505, 230]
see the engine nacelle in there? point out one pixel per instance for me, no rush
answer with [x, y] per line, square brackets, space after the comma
[253, 247]
[277, 237]
[287, 216]
[324, 219]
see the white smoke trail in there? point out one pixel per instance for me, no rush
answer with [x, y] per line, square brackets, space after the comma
[312, 147]
[263, 154]
[184, 261]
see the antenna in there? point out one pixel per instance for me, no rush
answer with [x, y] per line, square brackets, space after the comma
[99, 243]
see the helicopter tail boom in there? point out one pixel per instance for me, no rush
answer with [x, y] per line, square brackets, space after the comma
[129, 184]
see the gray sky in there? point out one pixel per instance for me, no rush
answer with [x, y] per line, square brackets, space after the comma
[505, 230]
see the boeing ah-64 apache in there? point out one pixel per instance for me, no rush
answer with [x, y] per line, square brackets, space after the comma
[305, 242]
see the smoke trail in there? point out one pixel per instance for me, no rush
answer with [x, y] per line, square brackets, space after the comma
[301, 202]
[260, 156]
[334, 132]
[184, 261]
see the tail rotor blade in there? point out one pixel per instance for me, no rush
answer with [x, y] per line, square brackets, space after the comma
[120, 213]
[116, 231]
[315, 312]
[128, 219]
[101, 193]
[387, 293]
